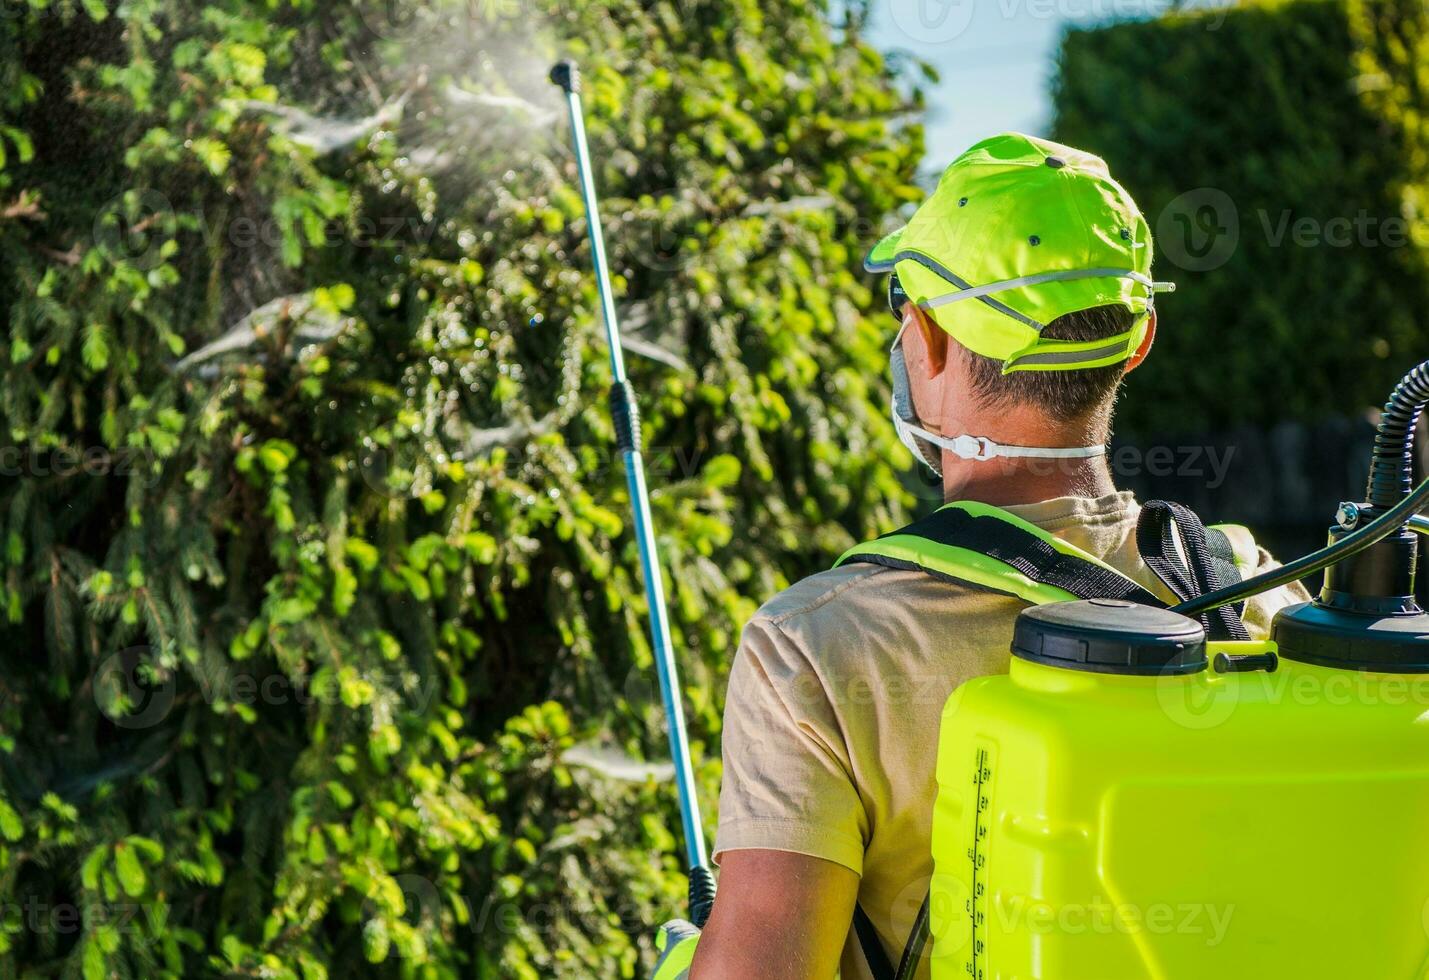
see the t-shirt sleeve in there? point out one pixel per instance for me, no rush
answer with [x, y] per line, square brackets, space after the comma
[788, 783]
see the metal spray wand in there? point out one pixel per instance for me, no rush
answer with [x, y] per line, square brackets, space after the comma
[627, 429]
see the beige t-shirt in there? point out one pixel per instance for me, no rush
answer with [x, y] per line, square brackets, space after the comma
[835, 697]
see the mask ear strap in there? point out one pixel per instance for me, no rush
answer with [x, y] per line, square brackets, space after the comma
[898, 337]
[981, 448]
[963, 446]
[902, 405]
[995, 449]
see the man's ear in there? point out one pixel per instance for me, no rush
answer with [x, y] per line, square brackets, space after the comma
[935, 341]
[1146, 343]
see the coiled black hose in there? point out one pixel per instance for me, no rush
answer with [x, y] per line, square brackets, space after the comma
[1391, 472]
[1391, 476]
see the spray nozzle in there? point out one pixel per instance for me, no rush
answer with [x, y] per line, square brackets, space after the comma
[567, 75]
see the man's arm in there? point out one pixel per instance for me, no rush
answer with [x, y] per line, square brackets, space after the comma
[792, 826]
[777, 914]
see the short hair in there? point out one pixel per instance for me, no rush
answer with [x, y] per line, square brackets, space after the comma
[1058, 394]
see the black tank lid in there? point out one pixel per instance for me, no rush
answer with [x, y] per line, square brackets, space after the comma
[1317, 633]
[1110, 636]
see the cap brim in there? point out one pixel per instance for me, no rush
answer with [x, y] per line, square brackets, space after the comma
[881, 258]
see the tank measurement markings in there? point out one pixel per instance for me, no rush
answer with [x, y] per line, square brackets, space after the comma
[977, 859]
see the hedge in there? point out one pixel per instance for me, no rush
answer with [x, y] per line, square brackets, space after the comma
[322, 649]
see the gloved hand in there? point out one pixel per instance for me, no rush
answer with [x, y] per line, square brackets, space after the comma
[676, 942]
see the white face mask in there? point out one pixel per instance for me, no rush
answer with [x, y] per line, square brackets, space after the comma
[926, 445]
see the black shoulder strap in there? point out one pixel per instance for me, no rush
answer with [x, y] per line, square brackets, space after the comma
[878, 962]
[984, 546]
[1223, 555]
[1208, 553]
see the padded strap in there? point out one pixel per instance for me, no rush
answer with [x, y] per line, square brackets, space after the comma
[984, 546]
[1207, 571]
[1235, 554]
[1222, 554]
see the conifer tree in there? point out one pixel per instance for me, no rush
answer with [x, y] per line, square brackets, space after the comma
[324, 646]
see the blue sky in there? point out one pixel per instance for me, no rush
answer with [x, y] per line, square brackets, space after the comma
[996, 58]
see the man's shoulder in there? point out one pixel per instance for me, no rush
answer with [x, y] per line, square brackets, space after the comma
[865, 623]
[859, 597]
[809, 595]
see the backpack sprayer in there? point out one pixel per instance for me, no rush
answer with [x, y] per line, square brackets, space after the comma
[626, 415]
[1132, 800]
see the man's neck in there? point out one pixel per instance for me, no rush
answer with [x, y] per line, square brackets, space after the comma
[1004, 482]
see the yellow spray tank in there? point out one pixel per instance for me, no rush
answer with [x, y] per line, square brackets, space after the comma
[1180, 819]
[1131, 801]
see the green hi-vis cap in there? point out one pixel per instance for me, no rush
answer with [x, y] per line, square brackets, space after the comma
[1019, 232]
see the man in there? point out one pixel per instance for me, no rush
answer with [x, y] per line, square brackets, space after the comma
[1023, 295]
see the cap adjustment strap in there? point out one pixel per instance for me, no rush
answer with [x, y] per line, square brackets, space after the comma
[1075, 353]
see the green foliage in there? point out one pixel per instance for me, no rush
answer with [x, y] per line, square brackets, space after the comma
[316, 560]
[1280, 154]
